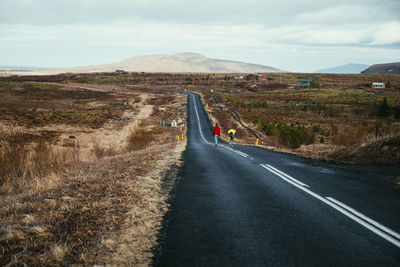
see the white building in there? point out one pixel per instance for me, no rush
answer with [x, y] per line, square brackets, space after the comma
[378, 85]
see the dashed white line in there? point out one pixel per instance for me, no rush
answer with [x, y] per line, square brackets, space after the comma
[377, 228]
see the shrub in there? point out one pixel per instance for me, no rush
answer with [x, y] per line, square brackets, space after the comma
[396, 113]
[102, 152]
[293, 135]
[13, 159]
[384, 110]
[21, 163]
[350, 136]
[381, 109]
[139, 138]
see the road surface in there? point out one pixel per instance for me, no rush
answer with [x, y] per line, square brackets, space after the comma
[248, 206]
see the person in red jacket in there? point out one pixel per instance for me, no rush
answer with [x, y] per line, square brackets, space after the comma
[217, 133]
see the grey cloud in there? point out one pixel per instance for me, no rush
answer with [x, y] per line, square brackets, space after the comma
[267, 13]
[280, 33]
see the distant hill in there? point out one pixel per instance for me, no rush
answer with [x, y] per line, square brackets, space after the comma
[183, 62]
[8, 67]
[391, 68]
[350, 68]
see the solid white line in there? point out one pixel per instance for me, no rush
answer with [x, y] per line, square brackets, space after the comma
[198, 121]
[370, 224]
[291, 181]
[362, 216]
[201, 132]
[287, 176]
[237, 151]
[342, 210]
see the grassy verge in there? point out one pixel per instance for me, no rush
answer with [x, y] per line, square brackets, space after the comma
[60, 208]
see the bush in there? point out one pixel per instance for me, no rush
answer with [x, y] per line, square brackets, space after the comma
[139, 138]
[21, 163]
[396, 113]
[289, 135]
[102, 152]
[13, 159]
[316, 128]
[381, 109]
[384, 110]
[350, 136]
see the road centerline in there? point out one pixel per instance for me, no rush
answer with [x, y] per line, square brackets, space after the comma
[365, 218]
[347, 211]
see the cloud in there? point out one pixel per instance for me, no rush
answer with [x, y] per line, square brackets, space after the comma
[344, 14]
[264, 12]
[387, 33]
[260, 31]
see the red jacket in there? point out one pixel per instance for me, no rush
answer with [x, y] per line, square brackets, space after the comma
[217, 130]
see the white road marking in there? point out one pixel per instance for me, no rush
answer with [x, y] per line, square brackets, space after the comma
[287, 176]
[198, 121]
[343, 210]
[380, 230]
[202, 136]
[365, 218]
[237, 151]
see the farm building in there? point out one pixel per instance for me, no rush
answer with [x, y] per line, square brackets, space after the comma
[378, 85]
[306, 82]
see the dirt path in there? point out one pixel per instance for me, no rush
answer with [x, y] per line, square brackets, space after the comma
[98, 211]
[110, 135]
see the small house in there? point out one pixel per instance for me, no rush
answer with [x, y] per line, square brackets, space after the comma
[306, 82]
[378, 85]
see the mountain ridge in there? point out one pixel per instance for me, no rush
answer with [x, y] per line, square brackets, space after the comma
[179, 63]
[350, 68]
[389, 68]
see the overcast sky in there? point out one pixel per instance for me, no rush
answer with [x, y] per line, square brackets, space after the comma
[293, 35]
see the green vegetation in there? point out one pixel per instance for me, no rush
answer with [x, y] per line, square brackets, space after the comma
[340, 110]
[27, 86]
[43, 117]
[292, 135]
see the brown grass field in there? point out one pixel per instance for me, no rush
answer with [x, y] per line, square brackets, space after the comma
[85, 171]
[86, 168]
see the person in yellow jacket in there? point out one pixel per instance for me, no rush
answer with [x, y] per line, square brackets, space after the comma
[231, 133]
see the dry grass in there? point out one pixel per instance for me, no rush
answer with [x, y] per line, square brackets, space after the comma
[102, 152]
[139, 137]
[67, 222]
[66, 197]
[99, 211]
[24, 165]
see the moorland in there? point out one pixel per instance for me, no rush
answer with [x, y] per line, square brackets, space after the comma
[86, 168]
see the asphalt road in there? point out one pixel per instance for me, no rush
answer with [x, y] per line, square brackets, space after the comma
[248, 206]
